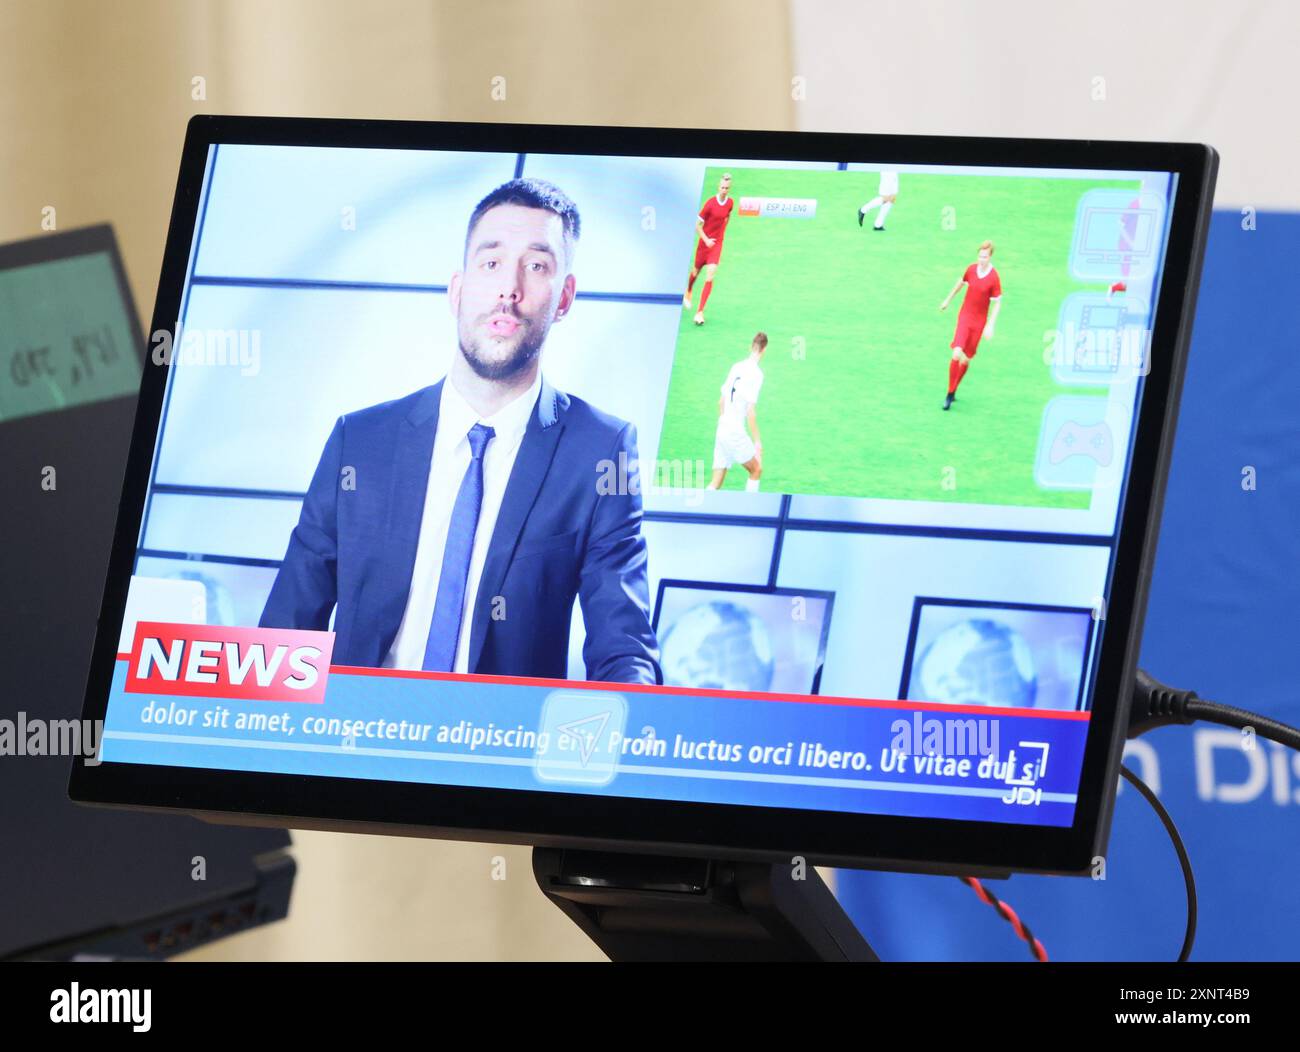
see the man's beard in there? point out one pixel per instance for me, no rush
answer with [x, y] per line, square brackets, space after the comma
[525, 353]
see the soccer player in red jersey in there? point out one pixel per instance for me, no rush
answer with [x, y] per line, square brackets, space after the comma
[976, 320]
[710, 227]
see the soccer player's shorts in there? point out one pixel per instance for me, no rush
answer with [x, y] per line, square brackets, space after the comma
[732, 446]
[967, 336]
[888, 184]
[705, 255]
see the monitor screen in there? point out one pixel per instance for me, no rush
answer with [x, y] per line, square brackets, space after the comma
[542, 472]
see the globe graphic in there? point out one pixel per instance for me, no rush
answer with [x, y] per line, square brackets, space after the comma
[976, 662]
[717, 645]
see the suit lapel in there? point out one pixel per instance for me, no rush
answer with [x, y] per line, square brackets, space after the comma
[412, 458]
[536, 452]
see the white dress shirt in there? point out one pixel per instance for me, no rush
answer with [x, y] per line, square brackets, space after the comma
[450, 459]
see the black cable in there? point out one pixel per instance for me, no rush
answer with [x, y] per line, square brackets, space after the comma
[1157, 705]
[1230, 716]
[1189, 879]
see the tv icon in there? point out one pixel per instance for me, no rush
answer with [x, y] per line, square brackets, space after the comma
[1117, 234]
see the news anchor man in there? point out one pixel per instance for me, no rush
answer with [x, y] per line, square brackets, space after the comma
[452, 529]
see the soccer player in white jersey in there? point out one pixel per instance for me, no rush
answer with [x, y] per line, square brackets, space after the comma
[886, 195]
[736, 409]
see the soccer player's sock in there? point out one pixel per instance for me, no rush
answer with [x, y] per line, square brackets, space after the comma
[751, 485]
[691, 284]
[884, 211]
[704, 296]
[711, 485]
[870, 205]
[956, 370]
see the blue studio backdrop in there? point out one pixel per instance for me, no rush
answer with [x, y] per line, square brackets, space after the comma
[1222, 621]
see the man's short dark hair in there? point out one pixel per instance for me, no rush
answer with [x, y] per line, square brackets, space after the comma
[531, 193]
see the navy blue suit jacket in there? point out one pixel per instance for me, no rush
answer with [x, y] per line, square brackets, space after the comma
[559, 535]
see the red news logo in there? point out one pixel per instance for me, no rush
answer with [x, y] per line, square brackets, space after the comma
[215, 661]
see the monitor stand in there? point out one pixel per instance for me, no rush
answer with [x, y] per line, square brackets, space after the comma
[659, 908]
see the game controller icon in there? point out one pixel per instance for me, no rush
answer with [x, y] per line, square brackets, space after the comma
[1088, 440]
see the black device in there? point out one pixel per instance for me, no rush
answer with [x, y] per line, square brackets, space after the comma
[79, 882]
[1065, 534]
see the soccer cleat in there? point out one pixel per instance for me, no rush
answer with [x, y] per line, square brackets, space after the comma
[947, 402]
[861, 216]
[686, 301]
[699, 318]
[878, 229]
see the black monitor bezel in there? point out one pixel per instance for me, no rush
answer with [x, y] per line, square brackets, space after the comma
[717, 830]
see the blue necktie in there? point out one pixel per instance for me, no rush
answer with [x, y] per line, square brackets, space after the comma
[444, 629]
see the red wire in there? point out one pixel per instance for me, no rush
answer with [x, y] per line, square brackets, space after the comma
[1009, 915]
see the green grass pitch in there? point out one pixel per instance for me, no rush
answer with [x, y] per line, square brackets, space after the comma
[857, 364]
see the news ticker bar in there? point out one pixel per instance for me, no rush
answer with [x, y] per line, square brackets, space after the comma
[854, 755]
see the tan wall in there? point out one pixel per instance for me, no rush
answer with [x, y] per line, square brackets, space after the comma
[1183, 70]
[94, 96]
